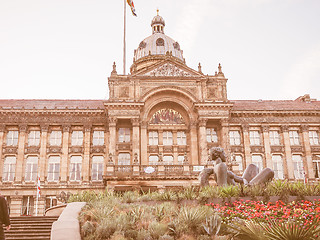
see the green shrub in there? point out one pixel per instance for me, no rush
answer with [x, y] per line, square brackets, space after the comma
[157, 229]
[229, 191]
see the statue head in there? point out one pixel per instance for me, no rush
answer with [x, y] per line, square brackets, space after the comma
[217, 152]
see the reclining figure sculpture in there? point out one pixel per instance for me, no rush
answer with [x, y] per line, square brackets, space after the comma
[223, 176]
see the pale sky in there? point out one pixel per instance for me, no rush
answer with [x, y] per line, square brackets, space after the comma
[64, 49]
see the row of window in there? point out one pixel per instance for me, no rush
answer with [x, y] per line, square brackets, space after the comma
[53, 170]
[255, 138]
[55, 138]
[277, 165]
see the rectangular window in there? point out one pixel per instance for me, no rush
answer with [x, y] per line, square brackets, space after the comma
[153, 138]
[9, 169]
[181, 159]
[55, 138]
[75, 168]
[294, 138]
[212, 135]
[167, 138]
[51, 201]
[314, 138]
[298, 167]
[181, 138]
[124, 159]
[257, 160]
[153, 159]
[234, 137]
[34, 138]
[316, 168]
[27, 206]
[124, 135]
[31, 169]
[274, 138]
[255, 138]
[168, 159]
[53, 169]
[239, 163]
[97, 168]
[12, 138]
[77, 138]
[277, 166]
[98, 138]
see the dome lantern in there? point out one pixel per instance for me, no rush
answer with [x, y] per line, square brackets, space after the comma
[157, 24]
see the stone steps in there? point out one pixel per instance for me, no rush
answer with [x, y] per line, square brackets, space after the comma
[30, 228]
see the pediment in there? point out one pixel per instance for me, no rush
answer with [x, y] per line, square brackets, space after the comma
[169, 69]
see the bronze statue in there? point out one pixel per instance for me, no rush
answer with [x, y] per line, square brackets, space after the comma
[222, 176]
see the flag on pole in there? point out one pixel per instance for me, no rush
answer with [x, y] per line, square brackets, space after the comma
[133, 10]
[38, 188]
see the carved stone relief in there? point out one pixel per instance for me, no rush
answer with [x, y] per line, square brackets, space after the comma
[168, 69]
[124, 92]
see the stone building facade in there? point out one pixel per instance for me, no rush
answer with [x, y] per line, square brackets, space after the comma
[154, 131]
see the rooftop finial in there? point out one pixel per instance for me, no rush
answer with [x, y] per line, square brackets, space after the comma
[157, 11]
[199, 68]
[114, 68]
[219, 67]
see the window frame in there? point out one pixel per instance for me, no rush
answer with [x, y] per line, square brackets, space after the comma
[9, 168]
[77, 138]
[234, 137]
[98, 138]
[55, 140]
[274, 137]
[75, 168]
[279, 169]
[31, 169]
[153, 138]
[167, 138]
[12, 138]
[52, 160]
[255, 138]
[294, 137]
[97, 168]
[211, 135]
[34, 138]
[124, 135]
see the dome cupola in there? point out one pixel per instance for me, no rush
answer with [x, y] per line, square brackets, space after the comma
[158, 44]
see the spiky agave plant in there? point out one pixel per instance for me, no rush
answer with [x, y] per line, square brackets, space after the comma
[212, 225]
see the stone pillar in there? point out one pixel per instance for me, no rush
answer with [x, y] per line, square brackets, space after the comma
[65, 153]
[135, 139]
[308, 165]
[224, 141]
[246, 145]
[86, 154]
[144, 144]
[20, 156]
[16, 204]
[175, 146]
[112, 138]
[267, 148]
[43, 152]
[194, 144]
[287, 161]
[2, 128]
[106, 142]
[203, 146]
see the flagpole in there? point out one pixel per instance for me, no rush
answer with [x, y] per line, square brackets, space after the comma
[124, 37]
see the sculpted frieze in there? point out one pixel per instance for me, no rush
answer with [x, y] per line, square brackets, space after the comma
[10, 150]
[169, 69]
[124, 112]
[274, 119]
[213, 113]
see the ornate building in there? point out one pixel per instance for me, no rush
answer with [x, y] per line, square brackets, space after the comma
[153, 132]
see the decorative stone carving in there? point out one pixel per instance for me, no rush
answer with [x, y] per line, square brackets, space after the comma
[76, 149]
[297, 149]
[2, 127]
[167, 149]
[44, 127]
[305, 128]
[135, 122]
[123, 146]
[153, 149]
[257, 149]
[168, 69]
[237, 149]
[66, 128]
[245, 127]
[211, 92]
[315, 148]
[203, 122]
[277, 149]
[87, 127]
[97, 149]
[284, 128]
[265, 128]
[124, 92]
[23, 128]
[54, 149]
[33, 149]
[112, 121]
[10, 150]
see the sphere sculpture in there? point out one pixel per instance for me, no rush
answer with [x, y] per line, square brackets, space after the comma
[222, 176]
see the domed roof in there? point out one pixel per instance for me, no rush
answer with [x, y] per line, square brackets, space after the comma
[158, 43]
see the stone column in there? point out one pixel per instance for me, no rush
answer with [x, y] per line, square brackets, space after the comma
[65, 154]
[135, 139]
[246, 145]
[16, 204]
[144, 144]
[43, 152]
[106, 157]
[194, 144]
[112, 138]
[225, 137]
[175, 146]
[267, 148]
[287, 161]
[2, 128]
[20, 157]
[86, 154]
[203, 146]
[308, 165]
